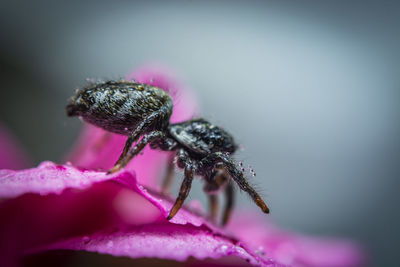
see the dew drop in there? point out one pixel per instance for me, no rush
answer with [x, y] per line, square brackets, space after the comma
[133, 80]
[110, 244]
[126, 128]
[151, 80]
[221, 249]
[260, 251]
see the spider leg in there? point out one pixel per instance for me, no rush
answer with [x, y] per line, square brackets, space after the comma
[134, 136]
[185, 187]
[211, 160]
[148, 138]
[213, 205]
[215, 181]
[169, 177]
[229, 193]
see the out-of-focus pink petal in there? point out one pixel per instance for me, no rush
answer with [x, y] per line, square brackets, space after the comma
[291, 248]
[12, 156]
[98, 149]
[160, 76]
[164, 241]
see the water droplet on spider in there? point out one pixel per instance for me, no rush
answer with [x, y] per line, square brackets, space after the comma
[110, 244]
[254, 174]
[242, 169]
[240, 164]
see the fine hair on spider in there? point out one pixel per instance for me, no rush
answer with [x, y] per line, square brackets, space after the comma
[142, 111]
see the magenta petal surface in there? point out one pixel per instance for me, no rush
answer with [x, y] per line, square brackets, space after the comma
[49, 177]
[164, 241]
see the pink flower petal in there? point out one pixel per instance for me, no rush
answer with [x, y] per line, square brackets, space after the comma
[58, 201]
[293, 249]
[97, 149]
[164, 241]
[43, 204]
[12, 156]
[51, 178]
[185, 105]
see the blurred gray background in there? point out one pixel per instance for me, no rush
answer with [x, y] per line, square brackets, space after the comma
[310, 89]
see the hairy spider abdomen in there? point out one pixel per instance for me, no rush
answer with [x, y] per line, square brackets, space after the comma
[119, 106]
[202, 138]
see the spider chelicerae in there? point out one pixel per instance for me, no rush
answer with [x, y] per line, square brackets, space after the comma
[141, 110]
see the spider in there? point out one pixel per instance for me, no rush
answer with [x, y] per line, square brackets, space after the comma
[141, 110]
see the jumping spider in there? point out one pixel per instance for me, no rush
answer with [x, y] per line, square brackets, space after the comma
[135, 110]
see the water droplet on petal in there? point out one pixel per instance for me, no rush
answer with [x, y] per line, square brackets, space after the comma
[85, 239]
[221, 249]
[110, 244]
[260, 250]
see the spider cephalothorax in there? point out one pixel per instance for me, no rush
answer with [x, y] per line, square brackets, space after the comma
[136, 110]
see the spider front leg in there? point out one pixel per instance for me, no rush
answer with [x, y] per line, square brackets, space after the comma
[148, 138]
[218, 157]
[189, 170]
[134, 136]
